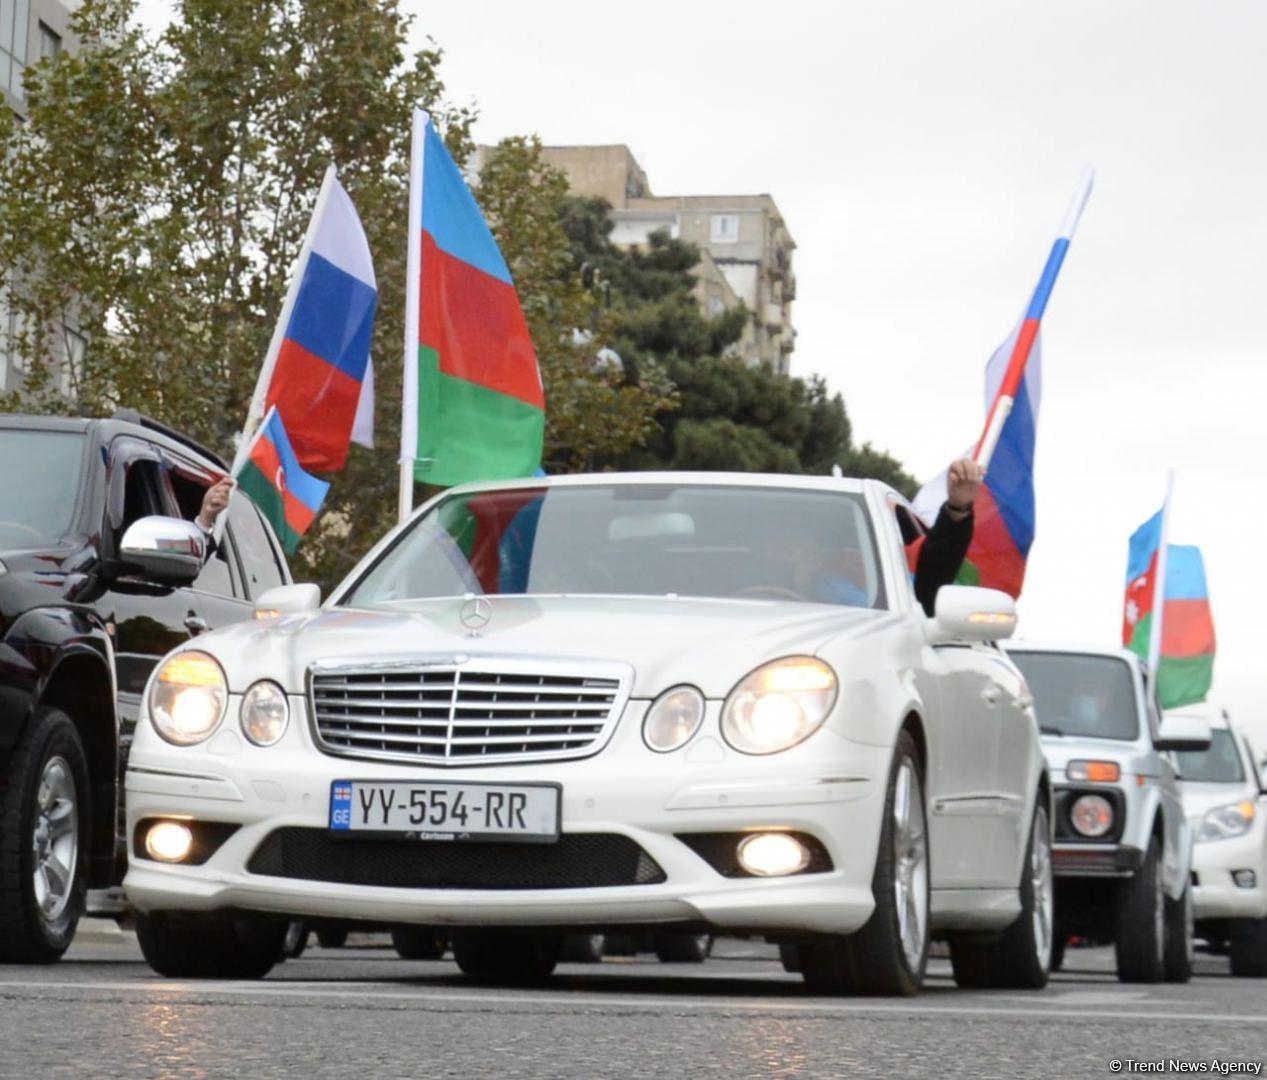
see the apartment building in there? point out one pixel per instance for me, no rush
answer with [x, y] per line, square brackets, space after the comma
[747, 248]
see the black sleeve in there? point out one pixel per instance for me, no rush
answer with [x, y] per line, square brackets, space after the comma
[941, 556]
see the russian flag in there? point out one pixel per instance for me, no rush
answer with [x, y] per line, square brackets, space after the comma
[474, 406]
[274, 479]
[318, 373]
[1185, 658]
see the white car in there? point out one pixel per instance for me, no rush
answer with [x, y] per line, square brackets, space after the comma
[705, 703]
[1226, 804]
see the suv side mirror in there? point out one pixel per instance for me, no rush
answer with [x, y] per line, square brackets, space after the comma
[969, 613]
[163, 549]
[287, 600]
[1183, 733]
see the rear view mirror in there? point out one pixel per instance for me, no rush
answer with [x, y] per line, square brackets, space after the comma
[287, 600]
[162, 549]
[969, 613]
[1183, 733]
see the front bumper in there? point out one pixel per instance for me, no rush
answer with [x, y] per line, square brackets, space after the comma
[1095, 860]
[1215, 894]
[829, 787]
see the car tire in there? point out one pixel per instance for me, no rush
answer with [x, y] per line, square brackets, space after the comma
[418, 943]
[1021, 958]
[1248, 948]
[1140, 932]
[506, 956]
[683, 948]
[332, 937]
[186, 947]
[1180, 947]
[45, 818]
[790, 958]
[583, 948]
[889, 954]
[295, 941]
[1058, 952]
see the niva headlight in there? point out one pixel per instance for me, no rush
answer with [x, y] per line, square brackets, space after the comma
[778, 705]
[188, 698]
[1226, 822]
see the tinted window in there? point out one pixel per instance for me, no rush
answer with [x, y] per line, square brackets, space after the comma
[189, 485]
[259, 562]
[1221, 764]
[39, 479]
[1081, 695]
[644, 540]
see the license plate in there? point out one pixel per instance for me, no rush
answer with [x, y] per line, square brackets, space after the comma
[444, 811]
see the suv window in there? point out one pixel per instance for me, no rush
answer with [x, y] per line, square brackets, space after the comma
[142, 491]
[38, 499]
[259, 557]
[1078, 694]
[189, 484]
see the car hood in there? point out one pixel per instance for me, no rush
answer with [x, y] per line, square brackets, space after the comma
[1132, 758]
[666, 640]
[1202, 796]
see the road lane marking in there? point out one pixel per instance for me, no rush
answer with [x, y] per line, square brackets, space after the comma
[435, 999]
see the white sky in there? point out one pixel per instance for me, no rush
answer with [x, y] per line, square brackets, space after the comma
[922, 153]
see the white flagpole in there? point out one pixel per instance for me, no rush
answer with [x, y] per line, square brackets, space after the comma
[255, 413]
[413, 279]
[1159, 586]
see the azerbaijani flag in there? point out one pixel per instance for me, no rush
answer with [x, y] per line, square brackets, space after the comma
[474, 408]
[272, 476]
[317, 371]
[1183, 652]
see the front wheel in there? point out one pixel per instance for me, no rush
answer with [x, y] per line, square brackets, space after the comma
[418, 943]
[1180, 949]
[683, 948]
[1141, 922]
[506, 955]
[888, 955]
[44, 829]
[191, 947]
[1021, 958]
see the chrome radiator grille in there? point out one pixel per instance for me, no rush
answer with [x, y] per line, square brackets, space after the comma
[472, 713]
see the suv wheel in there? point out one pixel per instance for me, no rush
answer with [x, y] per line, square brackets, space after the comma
[192, 947]
[1021, 958]
[1248, 948]
[1141, 922]
[506, 955]
[889, 953]
[683, 948]
[1180, 950]
[44, 826]
[418, 943]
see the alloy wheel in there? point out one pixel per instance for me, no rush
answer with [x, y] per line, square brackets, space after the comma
[1042, 885]
[910, 864]
[55, 838]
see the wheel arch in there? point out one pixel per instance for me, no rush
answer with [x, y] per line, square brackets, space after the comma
[914, 723]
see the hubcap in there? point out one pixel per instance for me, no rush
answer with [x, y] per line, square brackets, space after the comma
[910, 864]
[1042, 887]
[55, 838]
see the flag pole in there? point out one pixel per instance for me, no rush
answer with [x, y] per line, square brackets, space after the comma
[255, 411]
[1001, 407]
[413, 280]
[1159, 585]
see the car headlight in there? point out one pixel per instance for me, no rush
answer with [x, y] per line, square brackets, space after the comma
[1091, 815]
[188, 698]
[1225, 822]
[778, 705]
[673, 718]
[265, 713]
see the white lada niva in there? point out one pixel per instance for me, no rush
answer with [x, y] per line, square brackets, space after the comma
[696, 702]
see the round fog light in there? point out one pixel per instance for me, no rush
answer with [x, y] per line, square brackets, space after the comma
[169, 841]
[1245, 879]
[772, 854]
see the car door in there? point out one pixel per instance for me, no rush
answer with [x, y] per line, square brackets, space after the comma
[145, 619]
[968, 814]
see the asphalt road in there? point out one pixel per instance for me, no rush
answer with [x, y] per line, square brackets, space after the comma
[361, 1012]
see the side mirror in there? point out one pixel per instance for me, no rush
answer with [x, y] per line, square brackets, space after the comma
[288, 600]
[968, 613]
[1183, 733]
[167, 550]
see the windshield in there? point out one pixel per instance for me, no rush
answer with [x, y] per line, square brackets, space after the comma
[1220, 764]
[636, 539]
[39, 478]
[1081, 695]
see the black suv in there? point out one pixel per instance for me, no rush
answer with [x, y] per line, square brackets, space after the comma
[82, 625]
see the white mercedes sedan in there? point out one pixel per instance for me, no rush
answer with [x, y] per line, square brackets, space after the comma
[705, 703]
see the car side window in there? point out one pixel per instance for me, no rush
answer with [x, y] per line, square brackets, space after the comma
[259, 557]
[189, 483]
[911, 530]
[142, 491]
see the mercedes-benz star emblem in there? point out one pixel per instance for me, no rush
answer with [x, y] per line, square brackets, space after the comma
[475, 614]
